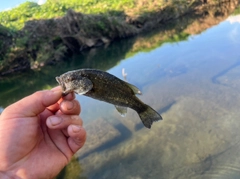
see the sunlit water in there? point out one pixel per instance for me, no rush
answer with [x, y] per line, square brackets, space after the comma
[195, 86]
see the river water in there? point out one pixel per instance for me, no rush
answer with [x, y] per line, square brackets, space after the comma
[189, 72]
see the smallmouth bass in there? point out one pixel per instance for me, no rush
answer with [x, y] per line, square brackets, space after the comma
[103, 86]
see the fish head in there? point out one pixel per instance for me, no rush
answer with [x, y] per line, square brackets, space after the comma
[74, 82]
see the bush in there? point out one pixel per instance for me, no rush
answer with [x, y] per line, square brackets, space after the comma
[16, 17]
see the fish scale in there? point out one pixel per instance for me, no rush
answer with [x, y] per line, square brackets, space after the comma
[106, 87]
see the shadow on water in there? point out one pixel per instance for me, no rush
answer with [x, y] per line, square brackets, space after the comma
[125, 133]
[15, 87]
[71, 171]
[215, 79]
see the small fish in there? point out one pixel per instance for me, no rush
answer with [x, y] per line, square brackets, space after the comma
[106, 87]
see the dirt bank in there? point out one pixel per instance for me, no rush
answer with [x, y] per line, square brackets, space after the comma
[44, 42]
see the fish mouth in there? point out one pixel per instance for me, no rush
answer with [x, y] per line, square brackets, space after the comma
[59, 80]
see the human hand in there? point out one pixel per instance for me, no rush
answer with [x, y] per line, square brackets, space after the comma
[39, 134]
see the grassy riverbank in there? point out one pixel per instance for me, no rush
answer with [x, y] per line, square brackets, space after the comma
[32, 36]
[16, 17]
[108, 56]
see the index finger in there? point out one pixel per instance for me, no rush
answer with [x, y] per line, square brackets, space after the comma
[69, 96]
[55, 107]
[34, 104]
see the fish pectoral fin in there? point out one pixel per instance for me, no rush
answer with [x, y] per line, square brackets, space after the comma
[134, 88]
[122, 110]
[84, 85]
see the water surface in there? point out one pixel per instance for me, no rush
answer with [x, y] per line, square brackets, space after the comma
[189, 74]
[195, 85]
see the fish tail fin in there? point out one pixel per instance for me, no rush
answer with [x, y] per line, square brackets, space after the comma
[149, 116]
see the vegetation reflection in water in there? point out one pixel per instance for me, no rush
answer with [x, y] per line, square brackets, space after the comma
[107, 57]
[102, 58]
[193, 83]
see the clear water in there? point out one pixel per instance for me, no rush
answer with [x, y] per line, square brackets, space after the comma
[193, 82]
[195, 85]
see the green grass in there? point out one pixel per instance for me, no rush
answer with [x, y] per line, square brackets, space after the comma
[16, 17]
[42, 41]
[236, 11]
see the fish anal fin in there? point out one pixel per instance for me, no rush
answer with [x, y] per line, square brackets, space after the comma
[122, 110]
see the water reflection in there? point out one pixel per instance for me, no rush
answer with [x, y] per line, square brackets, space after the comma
[19, 85]
[192, 81]
[198, 137]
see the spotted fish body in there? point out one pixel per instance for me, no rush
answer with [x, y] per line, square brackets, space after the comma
[103, 86]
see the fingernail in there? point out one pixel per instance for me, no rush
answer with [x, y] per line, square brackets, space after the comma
[69, 96]
[76, 128]
[55, 120]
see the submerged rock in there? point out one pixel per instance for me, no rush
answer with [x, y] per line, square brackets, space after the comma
[99, 133]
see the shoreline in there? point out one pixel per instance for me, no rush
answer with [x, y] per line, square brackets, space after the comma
[45, 42]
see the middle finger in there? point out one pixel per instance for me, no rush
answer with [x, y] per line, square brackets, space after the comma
[70, 107]
[63, 121]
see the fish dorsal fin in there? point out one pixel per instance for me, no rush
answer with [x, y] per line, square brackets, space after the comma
[122, 110]
[134, 88]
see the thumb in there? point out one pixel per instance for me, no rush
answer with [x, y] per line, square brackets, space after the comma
[35, 104]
